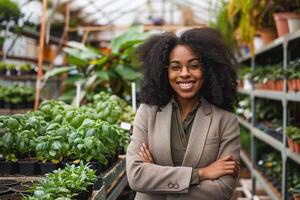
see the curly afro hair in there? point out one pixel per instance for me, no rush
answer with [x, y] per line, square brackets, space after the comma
[219, 86]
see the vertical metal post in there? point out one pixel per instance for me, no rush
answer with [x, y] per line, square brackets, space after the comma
[284, 106]
[133, 96]
[253, 141]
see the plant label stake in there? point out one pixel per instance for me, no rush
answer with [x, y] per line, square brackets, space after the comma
[78, 91]
[133, 95]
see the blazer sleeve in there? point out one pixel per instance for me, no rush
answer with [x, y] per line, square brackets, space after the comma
[147, 177]
[222, 188]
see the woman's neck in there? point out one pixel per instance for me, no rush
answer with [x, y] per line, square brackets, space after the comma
[186, 105]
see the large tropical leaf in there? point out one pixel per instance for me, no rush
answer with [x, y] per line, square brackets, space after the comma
[133, 36]
[58, 71]
[126, 72]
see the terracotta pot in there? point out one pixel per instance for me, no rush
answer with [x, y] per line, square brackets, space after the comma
[290, 86]
[267, 35]
[294, 24]
[281, 22]
[279, 85]
[297, 146]
[291, 144]
[298, 85]
[295, 85]
[296, 196]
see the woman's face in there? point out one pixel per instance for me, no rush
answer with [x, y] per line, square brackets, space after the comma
[185, 72]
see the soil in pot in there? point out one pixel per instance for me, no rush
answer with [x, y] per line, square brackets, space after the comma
[8, 183]
[47, 167]
[28, 167]
[4, 191]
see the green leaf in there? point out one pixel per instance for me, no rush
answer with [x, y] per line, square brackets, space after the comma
[56, 145]
[52, 153]
[58, 71]
[8, 139]
[133, 35]
[126, 72]
[104, 75]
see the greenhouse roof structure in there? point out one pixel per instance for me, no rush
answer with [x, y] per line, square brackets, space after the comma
[127, 12]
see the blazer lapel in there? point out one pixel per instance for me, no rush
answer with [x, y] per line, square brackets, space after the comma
[162, 134]
[198, 135]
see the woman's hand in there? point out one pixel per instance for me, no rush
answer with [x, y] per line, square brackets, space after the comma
[145, 154]
[224, 166]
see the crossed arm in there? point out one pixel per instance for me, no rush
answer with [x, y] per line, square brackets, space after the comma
[215, 179]
[226, 165]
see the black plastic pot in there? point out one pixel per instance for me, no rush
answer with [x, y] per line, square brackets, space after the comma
[4, 191]
[8, 183]
[28, 167]
[7, 105]
[90, 189]
[1, 103]
[8, 168]
[95, 166]
[12, 197]
[47, 167]
[83, 195]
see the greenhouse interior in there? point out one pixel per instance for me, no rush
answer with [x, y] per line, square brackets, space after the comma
[76, 121]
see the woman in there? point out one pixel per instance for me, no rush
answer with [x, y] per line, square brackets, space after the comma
[185, 142]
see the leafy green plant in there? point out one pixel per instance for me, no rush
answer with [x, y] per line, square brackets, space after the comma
[16, 94]
[291, 131]
[115, 70]
[64, 183]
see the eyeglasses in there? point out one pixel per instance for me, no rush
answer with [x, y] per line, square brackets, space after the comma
[194, 66]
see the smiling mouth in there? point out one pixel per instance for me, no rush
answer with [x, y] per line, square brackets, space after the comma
[185, 84]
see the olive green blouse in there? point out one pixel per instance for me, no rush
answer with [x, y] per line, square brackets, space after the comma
[180, 133]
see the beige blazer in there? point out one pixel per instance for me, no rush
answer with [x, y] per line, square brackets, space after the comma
[215, 133]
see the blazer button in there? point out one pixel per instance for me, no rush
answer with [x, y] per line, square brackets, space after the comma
[170, 185]
[176, 186]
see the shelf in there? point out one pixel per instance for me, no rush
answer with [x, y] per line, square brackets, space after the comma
[272, 45]
[245, 159]
[269, 140]
[107, 178]
[274, 95]
[270, 190]
[115, 193]
[262, 135]
[294, 156]
[36, 35]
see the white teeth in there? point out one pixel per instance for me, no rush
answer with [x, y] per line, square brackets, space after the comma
[186, 85]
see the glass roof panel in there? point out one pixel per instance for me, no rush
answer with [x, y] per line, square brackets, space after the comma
[126, 12]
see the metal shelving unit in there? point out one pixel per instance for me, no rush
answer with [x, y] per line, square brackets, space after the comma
[274, 95]
[256, 174]
[111, 183]
[278, 49]
[270, 140]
